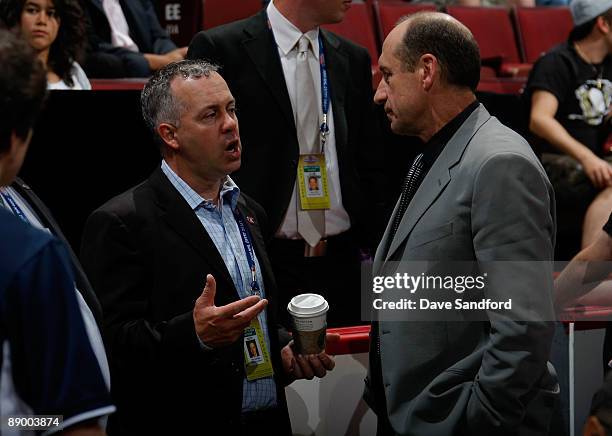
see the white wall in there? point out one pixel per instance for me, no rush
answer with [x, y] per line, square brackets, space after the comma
[332, 406]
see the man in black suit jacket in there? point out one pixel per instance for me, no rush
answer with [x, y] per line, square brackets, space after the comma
[257, 56]
[149, 252]
[155, 49]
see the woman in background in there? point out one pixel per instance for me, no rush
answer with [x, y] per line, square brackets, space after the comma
[56, 31]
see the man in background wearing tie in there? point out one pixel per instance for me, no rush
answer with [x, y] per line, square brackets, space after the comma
[304, 99]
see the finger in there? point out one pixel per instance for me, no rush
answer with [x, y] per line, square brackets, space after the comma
[297, 369]
[287, 359]
[317, 366]
[596, 179]
[601, 179]
[608, 175]
[248, 314]
[327, 362]
[304, 367]
[207, 298]
[231, 309]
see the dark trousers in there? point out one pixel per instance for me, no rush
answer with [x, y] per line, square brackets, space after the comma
[261, 423]
[336, 276]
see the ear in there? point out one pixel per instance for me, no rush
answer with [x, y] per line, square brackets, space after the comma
[429, 68]
[168, 134]
[12, 158]
[602, 25]
[593, 427]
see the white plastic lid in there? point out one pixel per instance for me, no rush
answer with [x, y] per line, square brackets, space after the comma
[306, 305]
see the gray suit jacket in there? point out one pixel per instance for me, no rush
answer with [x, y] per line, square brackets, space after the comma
[486, 198]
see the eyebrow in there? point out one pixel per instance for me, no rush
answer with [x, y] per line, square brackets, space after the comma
[38, 5]
[215, 106]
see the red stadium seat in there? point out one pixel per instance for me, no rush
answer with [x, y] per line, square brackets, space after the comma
[492, 28]
[541, 28]
[388, 12]
[358, 26]
[217, 12]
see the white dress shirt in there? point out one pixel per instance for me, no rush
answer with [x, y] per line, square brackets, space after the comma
[120, 30]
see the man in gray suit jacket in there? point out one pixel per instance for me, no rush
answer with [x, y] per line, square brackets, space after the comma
[477, 193]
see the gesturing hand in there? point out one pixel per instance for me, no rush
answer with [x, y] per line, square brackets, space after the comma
[223, 325]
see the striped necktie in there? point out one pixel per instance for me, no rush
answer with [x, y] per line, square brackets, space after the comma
[411, 184]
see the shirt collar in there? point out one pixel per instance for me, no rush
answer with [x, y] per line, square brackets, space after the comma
[287, 34]
[229, 190]
[438, 141]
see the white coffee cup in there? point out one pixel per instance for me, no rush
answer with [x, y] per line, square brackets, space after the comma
[309, 314]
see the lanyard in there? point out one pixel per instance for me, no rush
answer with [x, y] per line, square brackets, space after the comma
[324, 94]
[245, 235]
[14, 207]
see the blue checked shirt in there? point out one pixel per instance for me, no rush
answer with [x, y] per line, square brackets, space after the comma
[222, 228]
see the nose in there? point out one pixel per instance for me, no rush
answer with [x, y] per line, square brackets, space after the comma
[42, 17]
[380, 97]
[230, 122]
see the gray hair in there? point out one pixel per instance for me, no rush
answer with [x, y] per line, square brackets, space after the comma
[156, 100]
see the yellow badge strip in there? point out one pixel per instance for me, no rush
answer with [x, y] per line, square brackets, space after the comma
[257, 361]
[312, 182]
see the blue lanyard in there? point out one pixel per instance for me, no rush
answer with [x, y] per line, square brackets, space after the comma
[324, 94]
[14, 207]
[245, 235]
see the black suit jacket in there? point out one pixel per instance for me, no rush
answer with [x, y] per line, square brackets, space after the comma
[43, 213]
[145, 31]
[250, 63]
[148, 256]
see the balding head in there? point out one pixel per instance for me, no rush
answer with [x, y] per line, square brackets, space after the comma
[440, 35]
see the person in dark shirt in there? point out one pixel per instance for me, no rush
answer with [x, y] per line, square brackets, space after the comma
[570, 91]
[48, 365]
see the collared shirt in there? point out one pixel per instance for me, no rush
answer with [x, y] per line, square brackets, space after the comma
[120, 30]
[287, 36]
[222, 228]
[433, 148]
[431, 151]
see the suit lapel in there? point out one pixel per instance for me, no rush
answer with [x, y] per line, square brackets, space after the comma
[338, 70]
[381, 254]
[175, 211]
[261, 48]
[438, 177]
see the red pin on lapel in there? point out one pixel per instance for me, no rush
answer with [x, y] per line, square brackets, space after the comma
[250, 220]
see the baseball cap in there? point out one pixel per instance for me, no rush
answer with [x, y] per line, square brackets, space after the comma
[587, 10]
